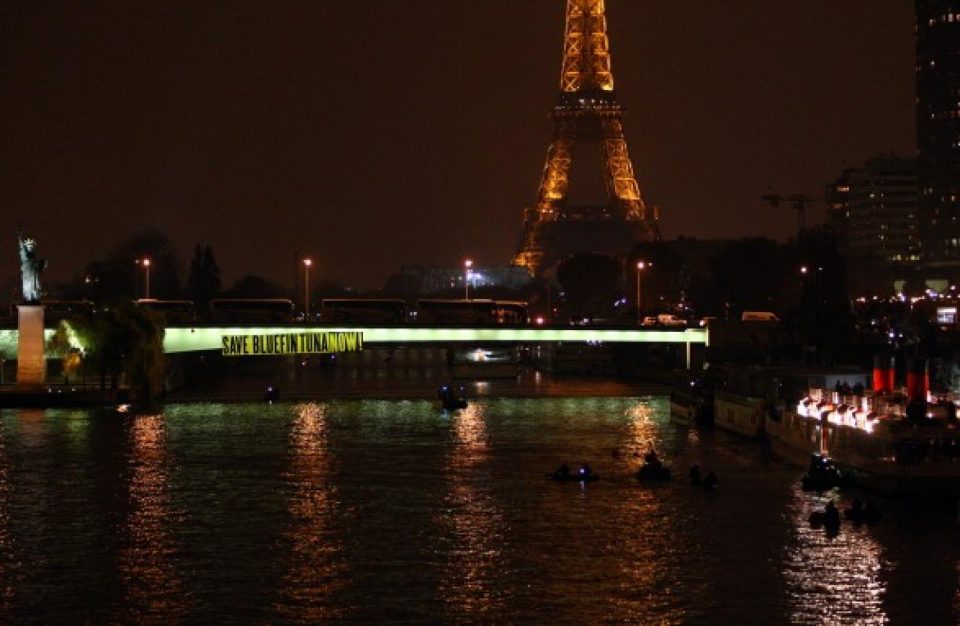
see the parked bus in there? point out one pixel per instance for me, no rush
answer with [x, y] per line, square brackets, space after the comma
[251, 310]
[471, 313]
[363, 311]
[172, 311]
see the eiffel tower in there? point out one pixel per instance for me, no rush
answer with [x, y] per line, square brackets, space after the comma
[587, 112]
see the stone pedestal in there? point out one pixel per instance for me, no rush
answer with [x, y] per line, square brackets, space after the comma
[31, 364]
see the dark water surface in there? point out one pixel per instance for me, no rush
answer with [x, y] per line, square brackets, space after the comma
[366, 511]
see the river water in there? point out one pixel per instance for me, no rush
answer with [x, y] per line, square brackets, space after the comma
[386, 511]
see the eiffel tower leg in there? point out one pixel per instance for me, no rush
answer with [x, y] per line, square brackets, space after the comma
[620, 177]
[553, 193]
[556, 176]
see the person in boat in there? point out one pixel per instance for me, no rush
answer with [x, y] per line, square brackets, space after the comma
[823, 474]
[831, 516]
[695, 477]
[272, 394]
[651, 459]
[449, 399]
[710, 481]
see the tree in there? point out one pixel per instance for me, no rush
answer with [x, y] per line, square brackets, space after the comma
[665, 282]
[63, 345]
[120, 276]
[591, 284]
[203, 281]
[252, 286]
[824, 314]
[124, 339]
[748, 274]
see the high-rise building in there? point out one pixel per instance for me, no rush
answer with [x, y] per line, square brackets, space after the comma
[938, 128]
[874, 209]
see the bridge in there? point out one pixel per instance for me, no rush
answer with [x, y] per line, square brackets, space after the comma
[199, 338]
[184, 339]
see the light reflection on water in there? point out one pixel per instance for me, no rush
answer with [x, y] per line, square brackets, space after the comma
[378, 511]
[151, 590]
[11, 563]
[832, 578]
[476, 524]
[316, 570]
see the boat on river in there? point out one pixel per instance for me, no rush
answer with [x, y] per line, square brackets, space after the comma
[749, 399]
[878, 440]
[691, 399]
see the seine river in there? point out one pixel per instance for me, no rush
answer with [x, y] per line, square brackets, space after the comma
[389, 511]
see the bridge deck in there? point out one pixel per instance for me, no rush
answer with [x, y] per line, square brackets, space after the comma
[184, 339]
[199, 338]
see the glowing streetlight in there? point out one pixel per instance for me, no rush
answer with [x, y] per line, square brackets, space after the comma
[306, 287]
[146, 268]
[641, 265]
[466, 278]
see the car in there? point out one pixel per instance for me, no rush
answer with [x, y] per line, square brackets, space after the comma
[759, 316]
[650, 320]
[668, 319]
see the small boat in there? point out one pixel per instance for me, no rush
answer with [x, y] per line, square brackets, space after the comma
[822, 475]
[272, 394]
[583, 475]
[653, 471]
[449, 400]
[691, 400]
[829, 518]
[453, 404]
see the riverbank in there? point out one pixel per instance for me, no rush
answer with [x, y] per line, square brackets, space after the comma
[60, 396]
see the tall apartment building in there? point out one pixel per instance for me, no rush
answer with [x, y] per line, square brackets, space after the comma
[938, 128]
[874, 209]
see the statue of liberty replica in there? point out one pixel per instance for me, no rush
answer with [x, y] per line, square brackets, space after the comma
[31, 361]
[30, 267]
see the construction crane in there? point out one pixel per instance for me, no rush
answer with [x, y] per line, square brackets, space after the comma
[799, 202]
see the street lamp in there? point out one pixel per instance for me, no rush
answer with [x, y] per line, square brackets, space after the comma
[306, 287]
[146, 268]
[641, 265]
[466, 278]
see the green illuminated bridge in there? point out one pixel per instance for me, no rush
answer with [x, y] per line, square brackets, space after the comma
[181, 339]
[198, 338]
[205, 338]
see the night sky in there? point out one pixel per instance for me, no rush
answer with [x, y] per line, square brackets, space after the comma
[377, 133]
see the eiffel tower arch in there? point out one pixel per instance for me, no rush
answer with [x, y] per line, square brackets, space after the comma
[587, 112]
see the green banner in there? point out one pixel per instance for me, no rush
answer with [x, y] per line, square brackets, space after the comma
[292, 343]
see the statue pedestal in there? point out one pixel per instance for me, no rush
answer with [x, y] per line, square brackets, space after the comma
[31, 364]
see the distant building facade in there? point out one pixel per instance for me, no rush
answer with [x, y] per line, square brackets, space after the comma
[874, 210]
[938, 128]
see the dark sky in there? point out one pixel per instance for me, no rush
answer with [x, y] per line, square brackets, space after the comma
[387, 132]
